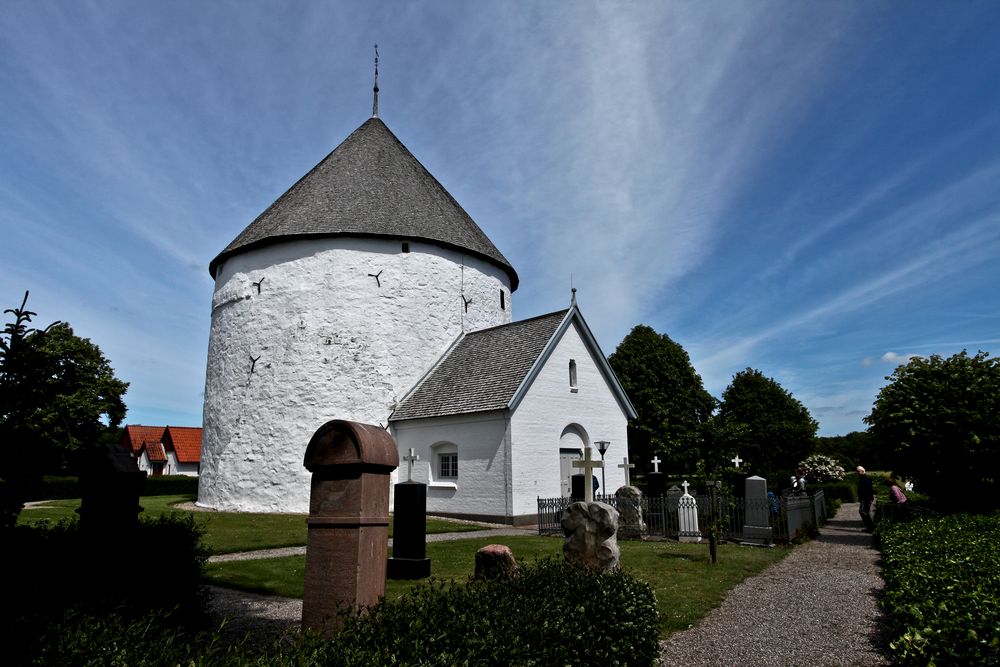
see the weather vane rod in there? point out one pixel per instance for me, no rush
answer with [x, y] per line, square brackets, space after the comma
[375, 89]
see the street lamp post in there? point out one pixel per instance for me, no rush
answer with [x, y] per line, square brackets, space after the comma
[602, 447]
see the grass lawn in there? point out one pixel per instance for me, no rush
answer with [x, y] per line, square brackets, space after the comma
[225, 532]
[686, 584]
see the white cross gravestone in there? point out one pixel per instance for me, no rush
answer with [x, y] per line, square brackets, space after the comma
[626, 466]
[737, 461]
[656, 463]
[687, 517]
[410, 458]
[588, 465]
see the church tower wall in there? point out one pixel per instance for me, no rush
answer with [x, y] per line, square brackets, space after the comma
[305, 331]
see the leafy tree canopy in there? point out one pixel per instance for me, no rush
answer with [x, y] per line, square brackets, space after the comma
[764, 424]
[668, 395]
[857, 448]
[58, 396]
[938, 420]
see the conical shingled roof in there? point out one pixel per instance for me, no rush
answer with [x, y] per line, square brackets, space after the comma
[369, 186]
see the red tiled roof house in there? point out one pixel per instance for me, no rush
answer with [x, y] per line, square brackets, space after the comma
[164, 450]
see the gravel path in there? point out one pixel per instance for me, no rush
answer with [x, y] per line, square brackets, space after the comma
[818, 606]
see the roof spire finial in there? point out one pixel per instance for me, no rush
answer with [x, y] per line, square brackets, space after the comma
[572, 300]
[375, 89]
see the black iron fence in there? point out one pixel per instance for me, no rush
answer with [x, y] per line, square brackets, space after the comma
[776, 519]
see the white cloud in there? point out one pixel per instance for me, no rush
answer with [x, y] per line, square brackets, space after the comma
[897, 359]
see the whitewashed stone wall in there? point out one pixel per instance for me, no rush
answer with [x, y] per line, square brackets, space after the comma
[548, 408]
[330, 343]
[483, 484]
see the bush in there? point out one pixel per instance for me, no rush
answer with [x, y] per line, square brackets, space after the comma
[549, 614]
[55, 488]
[942, 593]
[821, 469]
[52, 568]
[171, 485]
[58, 488]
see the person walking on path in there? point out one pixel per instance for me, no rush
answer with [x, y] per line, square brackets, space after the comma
[866, 495]
[818, 606]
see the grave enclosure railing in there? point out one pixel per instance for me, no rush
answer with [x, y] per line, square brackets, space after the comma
[785, 516]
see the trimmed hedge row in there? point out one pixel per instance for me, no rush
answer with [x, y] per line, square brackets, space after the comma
[942, 596]
[547, 614]
[59, 488]
[836, 493]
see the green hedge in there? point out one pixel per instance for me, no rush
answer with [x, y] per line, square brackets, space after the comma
[171, 485]
[942, 597]
[548, 614]
[58, 488]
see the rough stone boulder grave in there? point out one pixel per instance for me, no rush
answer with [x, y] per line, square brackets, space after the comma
[110, 486]
[591, 536]
[629, 501]
[495, 561]
[348, 520]
[409, 528]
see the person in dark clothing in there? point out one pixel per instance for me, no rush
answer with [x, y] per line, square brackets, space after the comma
[866, 495]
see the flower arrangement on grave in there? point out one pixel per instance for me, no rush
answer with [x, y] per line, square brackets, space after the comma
[821, 469]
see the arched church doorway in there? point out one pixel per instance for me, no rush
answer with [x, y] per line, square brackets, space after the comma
[571, 444]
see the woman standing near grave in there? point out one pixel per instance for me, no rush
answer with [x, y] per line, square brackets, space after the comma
[897, 497]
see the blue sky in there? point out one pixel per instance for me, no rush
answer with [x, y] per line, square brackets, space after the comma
[809, 189]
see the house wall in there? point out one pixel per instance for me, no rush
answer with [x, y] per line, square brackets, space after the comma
[175, 467]
[481, 489]
[330, 343]
[548, 407]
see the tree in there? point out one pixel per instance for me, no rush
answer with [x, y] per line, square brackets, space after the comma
[939, 422]
[58, 396]
[763, 423]
[668, 395]
[857, 448]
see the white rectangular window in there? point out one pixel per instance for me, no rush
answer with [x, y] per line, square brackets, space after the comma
[447, 466]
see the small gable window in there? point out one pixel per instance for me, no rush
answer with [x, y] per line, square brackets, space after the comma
[503, 300]
[572, 375]
[406, 247]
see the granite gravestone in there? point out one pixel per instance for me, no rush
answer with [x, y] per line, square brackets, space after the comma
[757, 529]
[409, 528]
[110, 486]
[348, 520]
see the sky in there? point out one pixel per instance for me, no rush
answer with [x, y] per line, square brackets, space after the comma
[808, 189]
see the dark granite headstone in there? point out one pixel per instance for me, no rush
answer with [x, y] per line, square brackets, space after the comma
[656, 484]
[110, 486]
[409, 533]
[577, 490]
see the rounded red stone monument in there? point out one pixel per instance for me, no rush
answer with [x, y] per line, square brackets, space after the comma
[348, 537]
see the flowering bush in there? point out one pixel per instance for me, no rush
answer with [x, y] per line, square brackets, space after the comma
[821, 469]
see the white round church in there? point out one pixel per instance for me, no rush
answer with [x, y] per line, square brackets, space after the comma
[347, 297]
